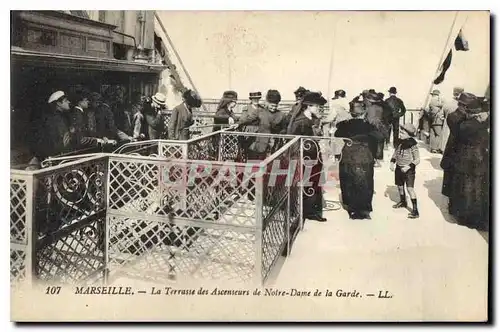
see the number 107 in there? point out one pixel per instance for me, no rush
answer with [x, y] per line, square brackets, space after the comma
[53, 290]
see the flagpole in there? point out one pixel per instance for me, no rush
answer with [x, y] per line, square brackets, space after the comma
[446, 48]
[332, 57]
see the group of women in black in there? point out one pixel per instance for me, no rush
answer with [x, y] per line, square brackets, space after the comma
[356, 166]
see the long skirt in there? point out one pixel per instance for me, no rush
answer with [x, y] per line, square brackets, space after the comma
[447, 182]
[470, 200]
[356, 185]
[312, 196]
[435, 137]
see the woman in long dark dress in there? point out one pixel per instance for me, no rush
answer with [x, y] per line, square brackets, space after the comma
[469, 192]
[358, 160]
[303, 124]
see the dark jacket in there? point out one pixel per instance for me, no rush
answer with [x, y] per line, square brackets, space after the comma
[294, 111]
[268, 122]
[473, 147]
[222, 116]
[105, 122]
[451, 154]
[303, 126]
[179, 123]
[397, 106]
[365, 137]
[251, 128]
[85, 135]
[55, 135]
[375, 116]
[154, 122]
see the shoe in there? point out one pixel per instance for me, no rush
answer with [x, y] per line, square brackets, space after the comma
[317, 218]
[400, 205]
[413, 215]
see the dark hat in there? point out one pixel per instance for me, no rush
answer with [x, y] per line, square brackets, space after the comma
[357, 102]
[339, 93]
[393, 90]
[435, 92]
[372, 91]
[380, 95]
[470, 101]
[373, 97]
[191, 98]
[300, 91]
[409, 128]
[273, 96]
[80, 94]
[313, 98]
[254, 95]
[95, 97]
[232, 95]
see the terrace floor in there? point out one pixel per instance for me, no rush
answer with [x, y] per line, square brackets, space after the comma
[434, 268]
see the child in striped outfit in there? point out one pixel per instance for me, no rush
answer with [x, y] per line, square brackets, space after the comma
[404, 162]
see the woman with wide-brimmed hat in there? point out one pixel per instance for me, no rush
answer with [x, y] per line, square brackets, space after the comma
[358, 159]
[303, 124]
[470, 159]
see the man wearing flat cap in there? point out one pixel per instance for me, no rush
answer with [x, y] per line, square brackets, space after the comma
[299, 94]
[56, 135]
[269, 119]
[398, 111]
[254, 106]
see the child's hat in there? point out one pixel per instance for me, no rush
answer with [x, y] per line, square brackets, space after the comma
[409, 128]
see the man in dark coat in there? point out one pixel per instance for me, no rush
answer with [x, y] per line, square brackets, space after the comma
[398, 110]
[56, 135]
[299, 94]
[386, 118]
[182, 116]
[87, 138]
[270, 120]
[246, 141]
[356, 166]
[375, 116]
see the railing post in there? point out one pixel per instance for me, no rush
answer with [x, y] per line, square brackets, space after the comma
[288, 207]
[301, 184]
[106, 240]
[31, 234]
[259, 194]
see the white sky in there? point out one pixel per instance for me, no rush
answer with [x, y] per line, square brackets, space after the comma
[282, 50]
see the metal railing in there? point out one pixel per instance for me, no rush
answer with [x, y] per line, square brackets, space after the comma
[162, 210]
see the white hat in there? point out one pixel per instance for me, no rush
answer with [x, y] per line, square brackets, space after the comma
[56, 95]
[160, 98]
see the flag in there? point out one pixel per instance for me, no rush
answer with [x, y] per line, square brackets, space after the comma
[444, 67]
[461, 44]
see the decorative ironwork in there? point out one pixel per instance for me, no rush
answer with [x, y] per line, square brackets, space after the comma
[68, 219]
[18, 204]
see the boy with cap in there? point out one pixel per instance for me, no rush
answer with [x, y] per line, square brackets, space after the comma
[404, 161]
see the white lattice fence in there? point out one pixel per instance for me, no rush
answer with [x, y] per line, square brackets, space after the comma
[19, 216]
[69, 221]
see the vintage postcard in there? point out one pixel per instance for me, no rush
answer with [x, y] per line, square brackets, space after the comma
[249, 165]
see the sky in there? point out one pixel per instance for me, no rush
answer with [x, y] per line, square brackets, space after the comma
[328, 50]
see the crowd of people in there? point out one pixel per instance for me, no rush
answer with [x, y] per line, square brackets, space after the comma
[83, 119]
[458, 128]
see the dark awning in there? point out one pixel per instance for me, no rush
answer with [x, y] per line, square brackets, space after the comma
[21, 56]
